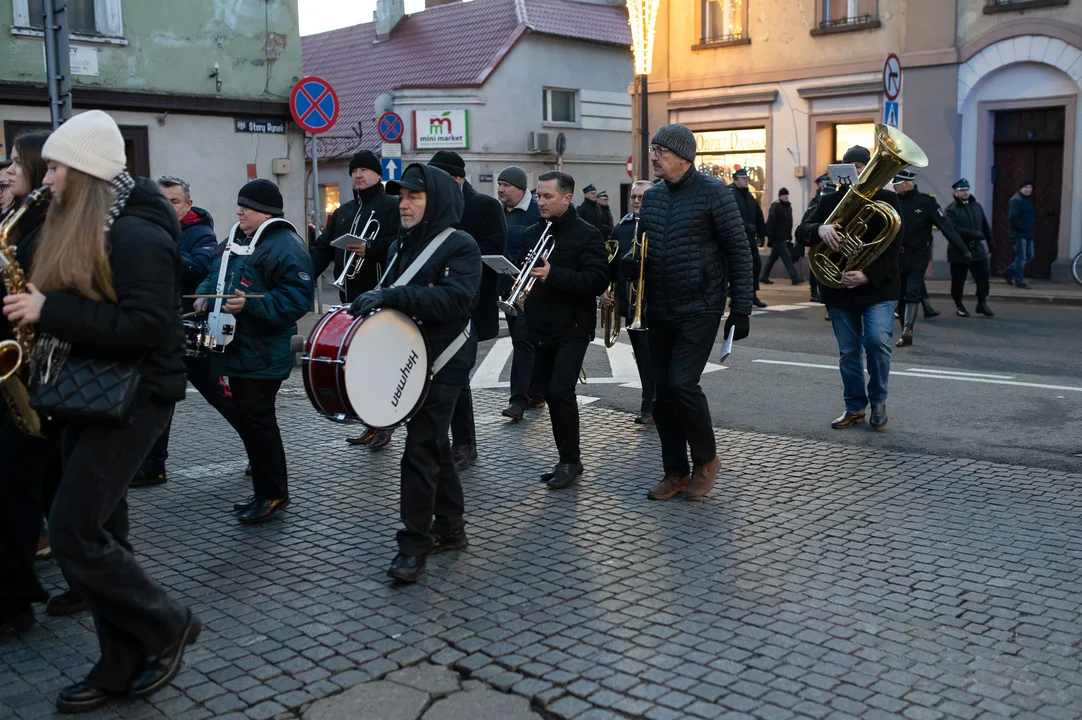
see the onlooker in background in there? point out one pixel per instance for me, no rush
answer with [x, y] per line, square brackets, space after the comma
[1021, 223]
[595, 210]
[779, 233]
[754, 226]
[968, 218]
[6, 197]
[823, 186]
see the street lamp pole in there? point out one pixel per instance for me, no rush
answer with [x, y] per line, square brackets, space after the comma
[641, 15]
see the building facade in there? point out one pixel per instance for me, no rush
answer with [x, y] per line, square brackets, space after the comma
[520, 75]
[201, 94]
[989, 90]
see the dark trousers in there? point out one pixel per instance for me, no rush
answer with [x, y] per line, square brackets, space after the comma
[526, 386]
[640, 344]
[813, 284]
[88, 529]
[558, 366]
[257, 425]
[430, 487]
[213, 389]
[757, 265]
[463, 430]
[779, 250]
[959, 271]
[29, 473]
[912, 267]
[679, 350]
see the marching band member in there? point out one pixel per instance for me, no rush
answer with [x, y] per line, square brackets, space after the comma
[442, 295]
[259, 358]
[105, 285]
[369, 197]
[483, 220]
[863, 312]
[968, 218]
[624, 233]
[562, 312]
[697, 247]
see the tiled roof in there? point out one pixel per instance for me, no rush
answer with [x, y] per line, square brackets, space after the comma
[459, 44]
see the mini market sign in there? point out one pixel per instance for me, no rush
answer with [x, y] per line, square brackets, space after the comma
[434, 129]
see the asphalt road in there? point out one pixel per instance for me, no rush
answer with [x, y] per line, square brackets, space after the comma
[1007, 389]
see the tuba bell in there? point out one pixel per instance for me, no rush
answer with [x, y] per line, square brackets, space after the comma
[869, 226]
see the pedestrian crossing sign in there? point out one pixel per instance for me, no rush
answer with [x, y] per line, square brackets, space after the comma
[891, 109]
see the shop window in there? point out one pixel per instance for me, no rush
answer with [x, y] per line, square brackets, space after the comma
[722, 152]
[834, 16]
[88, 20]
[848, 135]
[998, 6]
[329, 201]
[559, 105]
[725, 21]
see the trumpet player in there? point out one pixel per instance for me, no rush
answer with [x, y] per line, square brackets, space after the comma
[697, 248]
[372, 206]
[570, 273]
[624, 234]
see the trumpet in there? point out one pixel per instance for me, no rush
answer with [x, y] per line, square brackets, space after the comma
[610, 314]
[350, 270]
[520, 290]
[637, 322]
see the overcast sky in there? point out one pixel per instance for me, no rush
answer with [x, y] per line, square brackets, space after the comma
[322, 15]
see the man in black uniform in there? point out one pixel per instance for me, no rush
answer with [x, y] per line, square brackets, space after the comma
[442, 295]
[968, 218]
[751, 214]
[697, 246]
[483, 219]
[595, 210]
[369, 196]
[823, 186]
[919, 213]
[561, 311]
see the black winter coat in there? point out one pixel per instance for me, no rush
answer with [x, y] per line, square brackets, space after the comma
[624, 234]
[484, 220]
[1021, 218]
[969, 220]
[920, 212]
[363, 204]
[145, 321]
[882, 274]
[564, 307]
[598, 216]
[517, 222]
[25, 236]
[697, 246]
[442, 295]
[779, 223]
[751, 215]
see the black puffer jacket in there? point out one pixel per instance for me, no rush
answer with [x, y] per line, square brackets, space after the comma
[564, 307]
[697, 247]
[484, 220]
[969, 220]
[145, 321]
[779, 223]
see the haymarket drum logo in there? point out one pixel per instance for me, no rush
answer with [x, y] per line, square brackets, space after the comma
[441, 128]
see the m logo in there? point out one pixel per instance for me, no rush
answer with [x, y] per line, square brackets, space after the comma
[440, 124]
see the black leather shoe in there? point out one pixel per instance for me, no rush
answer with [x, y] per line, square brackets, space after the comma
[68, 602]
[464, 455]
[878, 420]
[757, 302]
[262, 510]
[145, 479]
[537, 403]
[407, 568]
[985, 310]
[381, 440]
[929, 311]
[161, 669]
[243, 505]
[81, 698]
[18, 624]
[644, 419]
[566, 475]
[766, 281]
[815, 298]
[513, 411]
[960, 310]
[848, 419]
[447, 543]
[545, 477]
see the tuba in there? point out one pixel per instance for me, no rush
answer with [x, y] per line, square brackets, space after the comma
[610, 314]
[14, 354]
[868, 226]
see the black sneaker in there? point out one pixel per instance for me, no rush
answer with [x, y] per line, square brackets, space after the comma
[447, 543]
[147, 479]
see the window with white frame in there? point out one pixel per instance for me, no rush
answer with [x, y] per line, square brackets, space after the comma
[835, 13]
[559, 105]
[725, 21]
[87, 19]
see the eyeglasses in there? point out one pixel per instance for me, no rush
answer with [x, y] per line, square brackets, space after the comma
[657, 150]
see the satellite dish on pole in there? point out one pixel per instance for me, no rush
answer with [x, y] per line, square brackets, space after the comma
[384, 103]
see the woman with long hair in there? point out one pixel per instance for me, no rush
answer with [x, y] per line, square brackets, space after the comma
[105, 286]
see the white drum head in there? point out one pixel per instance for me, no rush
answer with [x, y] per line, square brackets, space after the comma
[386, 369]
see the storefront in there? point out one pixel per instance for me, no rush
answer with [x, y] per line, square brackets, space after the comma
[722, 152]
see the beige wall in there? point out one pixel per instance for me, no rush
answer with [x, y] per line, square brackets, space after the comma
[973, 22]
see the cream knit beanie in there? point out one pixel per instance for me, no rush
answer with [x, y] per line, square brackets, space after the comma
[90, 142]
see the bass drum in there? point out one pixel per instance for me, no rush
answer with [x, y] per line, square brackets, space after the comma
[373, 369]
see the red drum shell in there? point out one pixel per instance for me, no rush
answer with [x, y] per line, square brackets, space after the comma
[323, 365]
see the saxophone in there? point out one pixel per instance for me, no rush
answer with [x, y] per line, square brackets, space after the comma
[14, 354]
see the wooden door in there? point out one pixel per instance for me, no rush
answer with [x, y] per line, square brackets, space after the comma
[1028, 146]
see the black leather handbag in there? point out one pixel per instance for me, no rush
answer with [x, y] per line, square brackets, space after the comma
[89, 391]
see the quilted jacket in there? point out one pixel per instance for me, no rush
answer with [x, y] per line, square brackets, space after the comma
[697, 249]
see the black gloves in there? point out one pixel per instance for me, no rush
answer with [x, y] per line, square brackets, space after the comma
[742, 323]
[968, 257]
[629, 265]
[366, 302]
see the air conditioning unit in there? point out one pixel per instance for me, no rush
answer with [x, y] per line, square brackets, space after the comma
[539, 142]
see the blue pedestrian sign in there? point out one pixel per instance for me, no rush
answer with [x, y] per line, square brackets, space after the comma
[392, 169]
[890, 113]
[314, 105]
[390, 127]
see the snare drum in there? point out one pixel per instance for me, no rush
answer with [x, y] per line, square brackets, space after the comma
[373, 369]
[197, 338]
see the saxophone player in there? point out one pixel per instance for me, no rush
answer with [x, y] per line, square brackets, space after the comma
[862, 313]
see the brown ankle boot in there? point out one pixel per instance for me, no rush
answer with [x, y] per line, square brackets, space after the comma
[670, 486]
[702, 479]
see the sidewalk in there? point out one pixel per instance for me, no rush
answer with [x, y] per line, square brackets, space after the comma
[816, 580]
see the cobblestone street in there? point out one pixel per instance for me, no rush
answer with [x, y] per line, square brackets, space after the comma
[817, 580]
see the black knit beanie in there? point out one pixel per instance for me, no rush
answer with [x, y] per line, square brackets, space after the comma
[676, 138]
[365, 159]
[857, 154]
[513, 175]
[450, 162]
[262, 196]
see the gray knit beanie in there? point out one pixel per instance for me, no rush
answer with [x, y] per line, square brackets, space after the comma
[513, 175]
[676, 138]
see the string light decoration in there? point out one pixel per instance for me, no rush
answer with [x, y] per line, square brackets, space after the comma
[641, 16]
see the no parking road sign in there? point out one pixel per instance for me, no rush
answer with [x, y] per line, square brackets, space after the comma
[390, 127]
[314, 104]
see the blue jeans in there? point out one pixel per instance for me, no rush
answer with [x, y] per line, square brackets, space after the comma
[869, 327]
[1023, 253]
